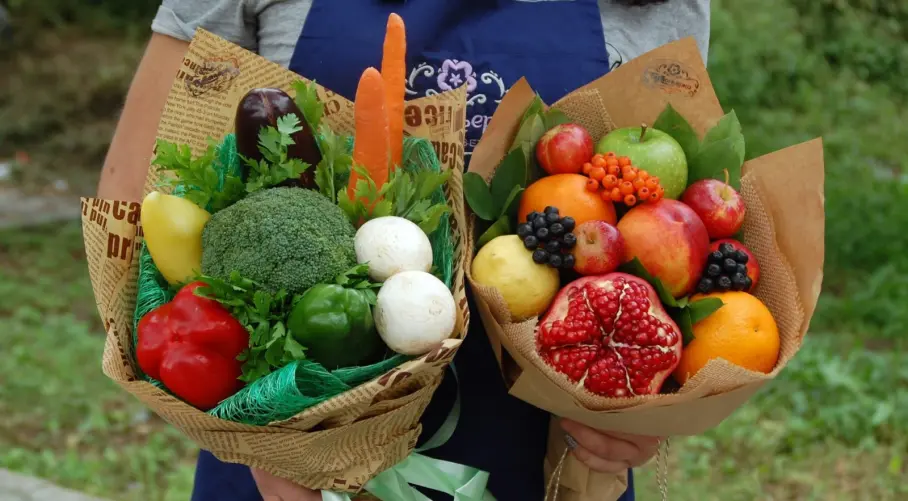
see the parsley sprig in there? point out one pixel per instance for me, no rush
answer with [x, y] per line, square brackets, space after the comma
[198, 177]
[263, 314]
[333, 171]
[275, 167]
[405, 195]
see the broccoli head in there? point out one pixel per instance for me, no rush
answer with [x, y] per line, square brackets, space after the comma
[282, 238]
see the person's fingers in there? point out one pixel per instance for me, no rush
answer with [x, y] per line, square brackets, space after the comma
[597, 463]
[274, 488]
[615, 447]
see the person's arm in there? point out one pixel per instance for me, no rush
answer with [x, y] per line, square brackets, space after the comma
[126, 164]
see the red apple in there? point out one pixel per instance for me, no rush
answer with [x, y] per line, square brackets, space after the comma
[753, 267]
[599, 250]
[564, 149]
[670, 241]
[719, 206]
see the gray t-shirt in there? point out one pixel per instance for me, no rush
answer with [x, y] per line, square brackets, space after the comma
[271, 27]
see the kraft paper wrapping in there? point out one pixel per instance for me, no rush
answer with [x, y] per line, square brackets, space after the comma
[784, 228]
[341, 443]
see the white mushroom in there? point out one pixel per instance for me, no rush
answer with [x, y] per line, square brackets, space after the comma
[414, 312]
[391, 245]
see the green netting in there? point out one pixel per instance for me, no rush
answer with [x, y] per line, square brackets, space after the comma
[302, 384]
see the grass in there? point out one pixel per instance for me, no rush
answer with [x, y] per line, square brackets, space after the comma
[60, 417]
[832, 427]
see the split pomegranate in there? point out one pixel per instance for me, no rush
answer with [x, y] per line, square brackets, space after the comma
[610, 335]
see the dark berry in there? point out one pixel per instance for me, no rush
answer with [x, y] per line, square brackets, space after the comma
[741, 256]
[551, 210]
[716, 257]
[739, 282]
[542, 234]
[730, 265]
[557, 229]
[552, 217]
[539, 222]
[569, 240]
[540, 256]
[553, 246]
[748, 283]
[568, 223]
[724, 283]
[556, 261]
[531, 242]
[524, 230]
[532, 216]
[568, 261]
[727, 249]
[713, 270]
[705, 286]
[742, 269]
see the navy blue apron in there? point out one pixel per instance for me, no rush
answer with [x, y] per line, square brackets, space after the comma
[486, 45]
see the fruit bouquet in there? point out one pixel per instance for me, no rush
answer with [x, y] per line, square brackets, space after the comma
[632, 271]
[290, 291]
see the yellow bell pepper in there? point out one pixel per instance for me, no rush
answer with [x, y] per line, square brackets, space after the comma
[173, 234]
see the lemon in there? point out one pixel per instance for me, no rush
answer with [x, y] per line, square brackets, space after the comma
[526, 287]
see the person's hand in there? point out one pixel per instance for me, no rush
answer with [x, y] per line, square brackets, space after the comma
[278, 489]
[610, 452]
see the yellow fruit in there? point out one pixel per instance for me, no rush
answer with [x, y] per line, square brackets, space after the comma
[505, 264]
[742, 332]
[173, 234]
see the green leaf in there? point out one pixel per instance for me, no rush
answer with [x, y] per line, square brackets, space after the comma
[536, 107]
[308, 102]
[714, 159]
[636, 268]
[510, 173]
[502, 226]
[703, 308]
[530, 131]
[672, 123]
[727, 126]
[294, 349]
[554, 118]
[382, 208]
[432, 218]
[682, 317]
[428, 181]
[509, 208]
[478, 196]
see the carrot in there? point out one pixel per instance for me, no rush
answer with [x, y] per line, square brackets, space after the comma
[370, 116]
[394, 73]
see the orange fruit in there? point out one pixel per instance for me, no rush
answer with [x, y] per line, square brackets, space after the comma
[742, 332]
[569, 194]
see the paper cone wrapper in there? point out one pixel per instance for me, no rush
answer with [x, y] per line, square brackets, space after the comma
[784, 228]
[343, 442]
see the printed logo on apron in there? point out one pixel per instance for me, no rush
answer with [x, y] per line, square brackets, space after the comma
[485, 89]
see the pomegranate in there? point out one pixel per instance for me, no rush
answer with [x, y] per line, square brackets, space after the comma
[610, 335]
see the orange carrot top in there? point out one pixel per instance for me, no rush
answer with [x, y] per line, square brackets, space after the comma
[371, 147]
[394, 73]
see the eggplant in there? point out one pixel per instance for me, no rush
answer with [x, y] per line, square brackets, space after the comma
[261, 108]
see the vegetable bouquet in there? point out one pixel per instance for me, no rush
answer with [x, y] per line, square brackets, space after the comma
[290, 290]
[640, 276]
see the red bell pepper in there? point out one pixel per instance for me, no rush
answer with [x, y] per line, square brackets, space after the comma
[191, 345]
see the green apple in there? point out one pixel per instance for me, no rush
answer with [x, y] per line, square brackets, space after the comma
[653, 151]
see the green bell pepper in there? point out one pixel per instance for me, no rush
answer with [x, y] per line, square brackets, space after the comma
[335, 325]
